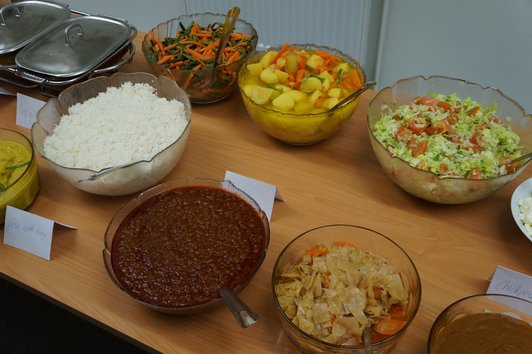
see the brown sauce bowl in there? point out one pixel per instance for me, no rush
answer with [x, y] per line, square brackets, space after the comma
[176, 245]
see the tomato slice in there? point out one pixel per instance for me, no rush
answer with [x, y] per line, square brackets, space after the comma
[440, 127]
[388, 326]
[397, 312]
[473, 111]
[444, 105]
[475, 173]
[417, 127]
[419, 148]
[433, 102]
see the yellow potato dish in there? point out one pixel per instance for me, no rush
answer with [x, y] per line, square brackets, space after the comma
[300, 81]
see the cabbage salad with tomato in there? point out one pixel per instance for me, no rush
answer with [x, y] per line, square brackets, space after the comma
[449, 136]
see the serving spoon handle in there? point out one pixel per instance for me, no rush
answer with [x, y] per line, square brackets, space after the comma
[354, 95]
[242, 313]
[523, 157]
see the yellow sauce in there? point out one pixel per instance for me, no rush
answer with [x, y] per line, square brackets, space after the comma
[14, 160]
[19, 180]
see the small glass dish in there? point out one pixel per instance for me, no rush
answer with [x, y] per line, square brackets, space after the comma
[22, 192]
[364, 239]
[197, 83]
[450, 324]
[425, 184]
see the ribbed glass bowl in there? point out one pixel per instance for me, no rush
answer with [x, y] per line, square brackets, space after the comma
[299, 128]
[194, 81]
[425, 184]
[113, 180]
[364, 239]
[131, 207]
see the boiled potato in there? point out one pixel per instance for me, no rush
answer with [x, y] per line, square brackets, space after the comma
[283, 102]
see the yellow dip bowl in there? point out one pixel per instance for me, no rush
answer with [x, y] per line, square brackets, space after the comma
[21, 191]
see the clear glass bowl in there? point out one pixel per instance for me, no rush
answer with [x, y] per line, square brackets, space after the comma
[23, 191]
[425, 184]
[477, 304]
[364, 239]
[300, 129]
[114, 180]
[193, 81]
[132, 205]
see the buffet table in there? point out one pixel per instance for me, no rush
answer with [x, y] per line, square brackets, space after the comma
[455, 247]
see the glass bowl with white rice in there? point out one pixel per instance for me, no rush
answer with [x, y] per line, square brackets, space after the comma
[114, 135]
[448, 140]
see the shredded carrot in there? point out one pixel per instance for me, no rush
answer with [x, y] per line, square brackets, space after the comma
[283, 49]
[165, 59]
[175, 64]
[186, 84]
[301, 73]
[160, 45]
[355, 79]
[171, 46]
[194, 47]
[234, 57]
[318, 102]
[344, 244]
[316, 251]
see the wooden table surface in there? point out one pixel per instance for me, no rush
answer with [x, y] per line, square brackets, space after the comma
[455, 247]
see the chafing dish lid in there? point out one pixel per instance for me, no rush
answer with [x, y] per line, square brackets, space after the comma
[20, 22]
[75, 46]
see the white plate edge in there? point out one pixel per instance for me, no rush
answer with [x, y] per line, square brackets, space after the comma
[522, 191]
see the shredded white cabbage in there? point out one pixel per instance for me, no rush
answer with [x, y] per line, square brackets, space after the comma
[336, 290]
[449, 136]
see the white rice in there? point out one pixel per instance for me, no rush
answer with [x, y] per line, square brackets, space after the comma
[119, 126]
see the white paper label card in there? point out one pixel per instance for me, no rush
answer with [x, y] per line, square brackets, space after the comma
[509, 282]
[263, 193]
[28, 232]
[27, 108]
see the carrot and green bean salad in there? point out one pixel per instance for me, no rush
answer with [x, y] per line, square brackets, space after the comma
[193, 49]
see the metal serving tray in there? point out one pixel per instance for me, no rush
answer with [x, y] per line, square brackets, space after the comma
[20, 22]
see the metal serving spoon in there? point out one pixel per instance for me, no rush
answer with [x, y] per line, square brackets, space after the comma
[229, 24]
[368, 345]
[524, 157]
[244, 316]
[354, 95]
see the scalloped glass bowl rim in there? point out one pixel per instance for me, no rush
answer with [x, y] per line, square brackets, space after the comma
[222, 17]
[426, 78]
[96, 172]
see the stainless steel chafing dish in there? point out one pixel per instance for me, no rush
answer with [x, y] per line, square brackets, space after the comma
[45, 44]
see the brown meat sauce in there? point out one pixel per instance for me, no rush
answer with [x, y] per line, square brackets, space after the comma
[180, 247]
[484, 333]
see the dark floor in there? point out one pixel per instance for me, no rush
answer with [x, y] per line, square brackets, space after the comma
[30, 324]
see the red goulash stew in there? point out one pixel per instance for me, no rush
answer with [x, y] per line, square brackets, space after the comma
[181, 246]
